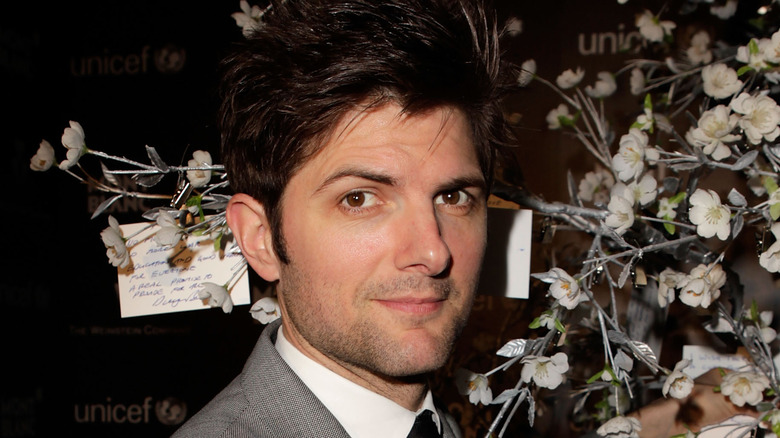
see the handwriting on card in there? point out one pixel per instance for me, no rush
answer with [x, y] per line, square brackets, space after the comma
[164, 280]
[704, 359]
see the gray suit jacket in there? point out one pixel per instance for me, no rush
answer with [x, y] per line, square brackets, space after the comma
[268, 400]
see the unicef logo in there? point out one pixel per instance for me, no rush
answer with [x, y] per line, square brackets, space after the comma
[171, 411]
[169, 59]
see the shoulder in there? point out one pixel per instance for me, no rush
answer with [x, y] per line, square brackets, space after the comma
[236, 410]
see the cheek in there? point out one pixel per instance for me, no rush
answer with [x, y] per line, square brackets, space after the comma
[467, 245]
[340, 252]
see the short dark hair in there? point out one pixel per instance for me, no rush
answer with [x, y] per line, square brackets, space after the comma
[291, 81]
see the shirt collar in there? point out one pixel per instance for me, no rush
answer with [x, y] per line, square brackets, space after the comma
[362, 412]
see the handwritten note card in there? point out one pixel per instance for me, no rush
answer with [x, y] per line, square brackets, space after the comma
[164, 280]
[507, 266]
[704, 359]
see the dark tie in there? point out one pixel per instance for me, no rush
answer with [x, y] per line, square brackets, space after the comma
[424, 427]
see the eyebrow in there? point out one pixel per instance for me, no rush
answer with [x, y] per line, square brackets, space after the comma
[357, 172]
[476, 180]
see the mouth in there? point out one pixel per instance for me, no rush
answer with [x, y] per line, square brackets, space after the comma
[413, 305]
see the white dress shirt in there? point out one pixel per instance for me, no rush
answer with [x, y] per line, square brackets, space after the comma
[362, 412]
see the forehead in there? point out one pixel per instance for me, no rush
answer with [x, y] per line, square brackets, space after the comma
[387, 135]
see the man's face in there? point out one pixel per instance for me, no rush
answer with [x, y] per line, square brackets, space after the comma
[385, 228]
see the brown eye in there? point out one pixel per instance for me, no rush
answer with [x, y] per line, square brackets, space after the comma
[455, 198]
[451, 198]
[355, 199]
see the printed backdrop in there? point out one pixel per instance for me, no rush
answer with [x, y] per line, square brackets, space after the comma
[142, 73]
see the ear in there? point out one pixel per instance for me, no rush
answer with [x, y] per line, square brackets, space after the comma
[247, 220]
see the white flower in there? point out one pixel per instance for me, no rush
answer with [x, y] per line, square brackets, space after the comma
[73, 139]
[474, 385]
[772, 50]
[629, 162]
[760, 116]
[744, 387]
[699, 51]
[678, 384]
[44, 158]
[667, 209]
[514, 26]
[645, 190]
[265, 310]
[645, 121]
[527, 72]
[772, 76]
[757, 59]
[554, 116]
[764, 325]
[547, 320]
[621, 214]
[605, 86]
[720, 81]
[565, 289]
[569, 78]
[116, 250]
[620, 427]
[216, 295]
[249, 18]
[546, 372]
[726, 11]
[709, 215]
[595, 186]
[770, 259]
[651, 28]
[199, 178]
[713, 130]
[637, 81]
[702, 286]
[170, 232]
[668, 280]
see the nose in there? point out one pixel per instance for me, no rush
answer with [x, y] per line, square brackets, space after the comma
[422, 247]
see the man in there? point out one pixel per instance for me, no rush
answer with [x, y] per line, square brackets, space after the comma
[360, 138]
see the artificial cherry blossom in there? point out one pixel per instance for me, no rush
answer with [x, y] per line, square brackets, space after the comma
[570, 78]
[760, 116]
[702, 286]
[44, 158]
[265, 310]
[546, 372]
[621, 214]
[744, 387]
[699, 52]
[565, 289]
[216, 295]
[605, 86]
[556, 114]
[629, 162]
[474, 385]
[720, 81]
[73, 139]
[709, 215]
[595, 186]
[770, 259]
[714, 130]
[199, 177]
[653, 29]
[678, 384]
[170, 232]
[527, 72]
[620, 427]
[116, 250]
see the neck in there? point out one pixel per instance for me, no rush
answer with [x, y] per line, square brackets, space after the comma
[407, 391]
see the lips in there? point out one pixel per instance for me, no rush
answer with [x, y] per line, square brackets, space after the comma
[414, 305]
